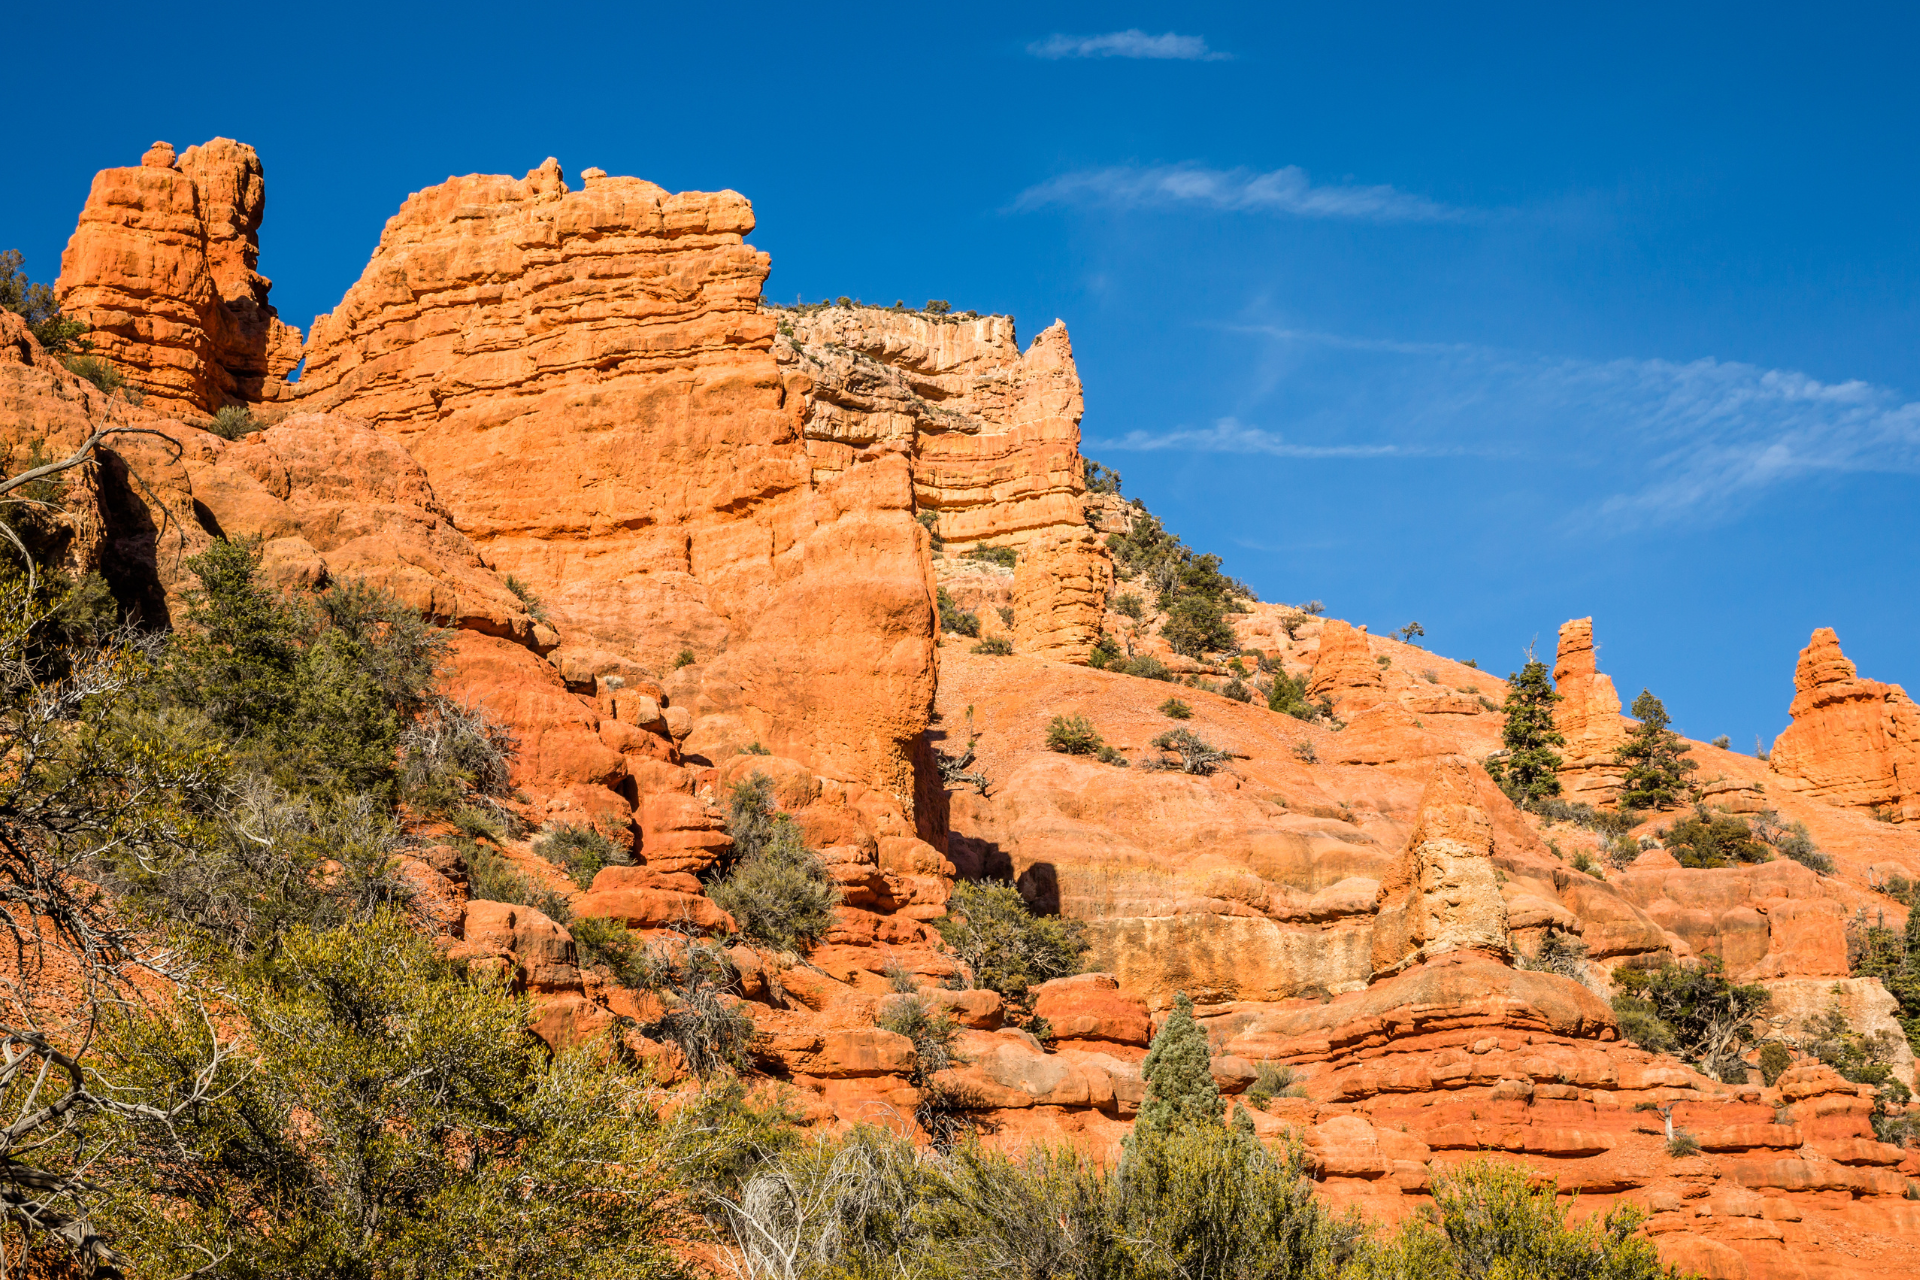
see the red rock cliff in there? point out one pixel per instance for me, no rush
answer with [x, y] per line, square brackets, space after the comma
[1853, 743]
[588, 381]
[1588, 716]
[162, 266]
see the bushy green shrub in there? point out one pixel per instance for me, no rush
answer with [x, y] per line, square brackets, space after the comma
[1073, 735]
[1237, 689]
[953, 619]
[1558, 953]
[933, 1034]
[1691, 1011]
[1196, 625]
[1496, 1221]
[491, 878]
[1713, 840]
[582, 851]
[1007, 946]
[1682, 1144]
[97, 370]
[1005, 557]
[1774, 1061]
[232, 421]
[329, 1124]
[1288, 695]
[1101, 479]
[1112, 756]
[1104, 654]
[1175, 709]
[684, 658]
[1129, 604]
[1274, 1080]
[41, 310]
[776, 889]
[995, 646]
[1146, 667]
[1192, 754]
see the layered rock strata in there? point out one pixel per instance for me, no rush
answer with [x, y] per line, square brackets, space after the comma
[162, 267]
[992, 436]
[1344, 670]
[587, 379]
[1853, 742]
[1588, 716]
[1442, 893]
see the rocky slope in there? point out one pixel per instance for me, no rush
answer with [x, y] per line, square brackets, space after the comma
[675, 529]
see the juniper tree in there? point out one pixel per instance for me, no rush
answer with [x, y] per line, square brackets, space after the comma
[1181, 1092]
[1656, 759]
[1529, 769]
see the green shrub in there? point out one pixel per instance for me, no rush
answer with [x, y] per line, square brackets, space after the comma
[1196, 626]
[1006, 615]
[1288, 696]
[1101, 479]
[931, 523]
[995, 646]
[1146, 667]
[953, 619]
[41, 310]
[1112, 756]
[1129, 604]
[933, 1034]
[582, 851]
[450, 748]
[1005, 557]
[1304, 752]
[1104, 654]
[1683, 1144]
[1713, 840]
[1691, 1011]
[776, 889]
[1601, 821]
[1498, 1221]
[1009, 948]
[1274, 1080]
[1193, 755]
[684, 658]
[100, 372]
[1774, 1061]
[1175, 709]
[1073, 735]
[330, 1128]
[1583, 862]
[491, 878]
[1237, 689]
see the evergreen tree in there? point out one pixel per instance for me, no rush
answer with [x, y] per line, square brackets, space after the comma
[1529, 769]
[1656, 760]
[1180, 1088]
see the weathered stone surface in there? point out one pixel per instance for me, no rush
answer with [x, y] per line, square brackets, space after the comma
[991, 433]
[587, 380]
[1588, 716]
[1344, 670]
[162, 266]
[1441, 894]
[1853, 742]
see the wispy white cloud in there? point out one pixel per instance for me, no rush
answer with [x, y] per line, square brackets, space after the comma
[1286, 191]
[1634, 443]
[1132, 43]
[1230, 435]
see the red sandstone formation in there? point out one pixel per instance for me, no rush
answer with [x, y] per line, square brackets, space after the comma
[162, 266]
[582, 388]
[1588, 716]
[992, 437]
[1853, 742]
[1344, 670]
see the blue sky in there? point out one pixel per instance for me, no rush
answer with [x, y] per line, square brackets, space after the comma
[1486, 319]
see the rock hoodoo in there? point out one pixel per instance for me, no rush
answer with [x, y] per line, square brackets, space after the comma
[1344, 670]
[162, 266]
[1588, 716]
[1442, 893]
[1853, 743]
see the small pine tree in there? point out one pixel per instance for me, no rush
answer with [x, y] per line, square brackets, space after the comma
[1180, 1088]
[1529, 770]
[1656, 760]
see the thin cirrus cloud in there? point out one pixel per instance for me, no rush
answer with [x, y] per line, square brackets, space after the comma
[1132, 43]
[1636, 443]
[1282, 191]
[1230, 435]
